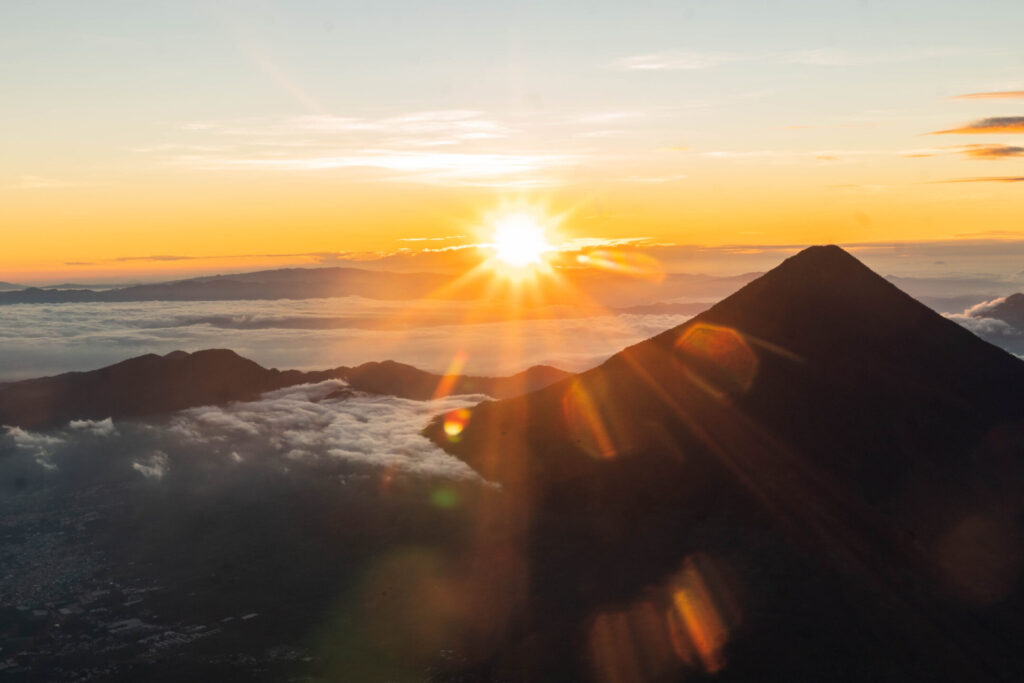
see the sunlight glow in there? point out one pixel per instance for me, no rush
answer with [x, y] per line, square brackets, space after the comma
[519, 240]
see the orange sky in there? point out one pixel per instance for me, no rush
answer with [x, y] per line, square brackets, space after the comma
[234, 139]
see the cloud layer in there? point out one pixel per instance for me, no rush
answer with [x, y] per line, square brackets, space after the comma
[310, 334]
[301, 429]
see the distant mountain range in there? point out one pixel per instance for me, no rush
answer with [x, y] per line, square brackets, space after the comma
[608, 289]
[289, 283]
[152, 385]
[817, 479]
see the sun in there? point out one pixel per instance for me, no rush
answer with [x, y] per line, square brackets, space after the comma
[519, 240]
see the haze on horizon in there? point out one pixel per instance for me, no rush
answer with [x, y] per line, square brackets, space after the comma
[157, 139]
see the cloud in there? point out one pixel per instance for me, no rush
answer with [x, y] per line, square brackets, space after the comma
[982, 309]
[680, 60]
[998, 320]
[429, 167]
[986, 179]
[984, 327]
[156, 257]
[676, 60]
[153, 466]
[998, 95]
[992, 151]
[446, 238]
[424, 127]
[295, 431]
[40, 447]
[992, 125]
[976, 151]
[462, 147]
[46, 339]
[97, 427]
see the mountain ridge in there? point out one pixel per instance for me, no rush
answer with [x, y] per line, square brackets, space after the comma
[818, 422]
[152, 385]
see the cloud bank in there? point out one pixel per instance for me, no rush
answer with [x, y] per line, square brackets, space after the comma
[311, 334]
[306, 430]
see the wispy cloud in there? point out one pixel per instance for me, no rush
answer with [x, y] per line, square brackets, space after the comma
[991, 125]
[996, 95]
[979, 151]
[454, 147]
[986, 179]
[426, 166]
[992, 151]
[427, 128]
[677, 60]
[485, 170]
[683, 60]
[446, 238]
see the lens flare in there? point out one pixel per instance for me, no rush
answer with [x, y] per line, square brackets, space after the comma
[584, 421]
[682, 627]
[451, 375]
[629, 263]
[445, 498]
[719, 358]
[454, 422]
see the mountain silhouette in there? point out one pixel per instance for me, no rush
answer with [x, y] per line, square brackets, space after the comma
[152, 385]
[284, 283]
[405, 381]
[818, 478]
[616, 291]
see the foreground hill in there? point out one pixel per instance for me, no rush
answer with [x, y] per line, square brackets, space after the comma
[819, 478]
[152, 384]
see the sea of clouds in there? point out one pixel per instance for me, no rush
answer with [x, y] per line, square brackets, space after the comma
[44, 339]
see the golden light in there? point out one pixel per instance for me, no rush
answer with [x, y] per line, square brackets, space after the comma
[454, 422]
[519, 240]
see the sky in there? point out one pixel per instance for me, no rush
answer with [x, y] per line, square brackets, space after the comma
[142, 138]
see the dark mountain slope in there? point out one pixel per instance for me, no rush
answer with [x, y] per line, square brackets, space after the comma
[398, 379]
[152, 384]
[139, 386]
[828, 472]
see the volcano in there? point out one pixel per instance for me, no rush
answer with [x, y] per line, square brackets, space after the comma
[818, 478]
